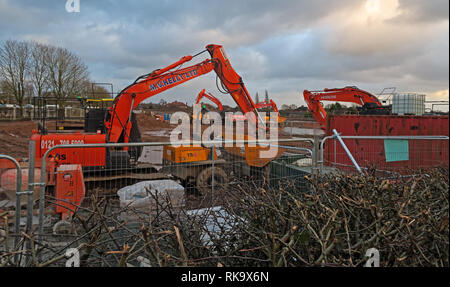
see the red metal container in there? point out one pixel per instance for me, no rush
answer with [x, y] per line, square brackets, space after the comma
[422, 153]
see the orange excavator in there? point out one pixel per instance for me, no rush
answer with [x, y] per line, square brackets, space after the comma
[210, 97]
[351, 94]
[271, 104]
[118, 125]
[266, 104]
[213, 99]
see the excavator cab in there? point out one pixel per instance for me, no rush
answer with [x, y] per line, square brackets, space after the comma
[374, 109]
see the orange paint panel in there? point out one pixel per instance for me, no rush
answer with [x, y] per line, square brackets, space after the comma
[84, 156]
[70, 189]
[186, 154]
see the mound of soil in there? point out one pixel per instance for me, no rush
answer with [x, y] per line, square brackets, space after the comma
[147, 122]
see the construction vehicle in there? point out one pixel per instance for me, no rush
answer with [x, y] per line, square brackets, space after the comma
[204, 109]
[261, 105]
[118, 125]
[271, 104]
[351, 94]
[210, 97]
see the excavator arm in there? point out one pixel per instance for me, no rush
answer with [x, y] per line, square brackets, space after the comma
[267, 104]
[210, 97]
[348, 94]
[260, 105]
[231, 82]
[118, 119]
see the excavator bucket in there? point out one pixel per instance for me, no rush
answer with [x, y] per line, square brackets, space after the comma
[252, 153]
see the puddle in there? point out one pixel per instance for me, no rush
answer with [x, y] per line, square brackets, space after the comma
[303, 131]
[158, 133]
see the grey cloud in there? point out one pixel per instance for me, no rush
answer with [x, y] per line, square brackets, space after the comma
[282, 46]
[423, 11]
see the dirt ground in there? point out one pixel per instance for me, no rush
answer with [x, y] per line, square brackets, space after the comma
[14, 135]
[152, 129]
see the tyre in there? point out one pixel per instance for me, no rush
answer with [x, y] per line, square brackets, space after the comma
[204, 180]
[135, 136]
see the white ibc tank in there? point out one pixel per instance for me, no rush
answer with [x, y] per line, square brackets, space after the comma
[408, 104]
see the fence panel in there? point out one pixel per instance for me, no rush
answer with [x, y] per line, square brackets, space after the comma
[117, 211]
[7, 186]
[390, 153]
[107, 168]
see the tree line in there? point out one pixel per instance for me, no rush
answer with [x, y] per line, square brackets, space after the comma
[31, 69]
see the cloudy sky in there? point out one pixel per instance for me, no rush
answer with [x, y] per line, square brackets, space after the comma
[280, 46]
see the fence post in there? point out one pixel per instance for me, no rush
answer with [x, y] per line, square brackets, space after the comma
[315, 169]
[212, 173]
[30, 193]
[335, 158]
[347, 151]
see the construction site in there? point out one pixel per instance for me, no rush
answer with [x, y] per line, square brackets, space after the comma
[111, 179]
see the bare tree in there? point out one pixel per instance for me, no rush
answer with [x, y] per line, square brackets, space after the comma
[66, 73]
[14, 69]
[97, 91]
[38, 70]
[6, 95]
[257, 97]
[31, 68]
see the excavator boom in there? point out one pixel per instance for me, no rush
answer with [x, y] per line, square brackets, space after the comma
[260, 105]
[118, 120]
[231, 82]
[118, 123]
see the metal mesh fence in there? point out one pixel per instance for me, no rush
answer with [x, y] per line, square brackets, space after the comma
[127, 209]
[109, 203]
[404, 155]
